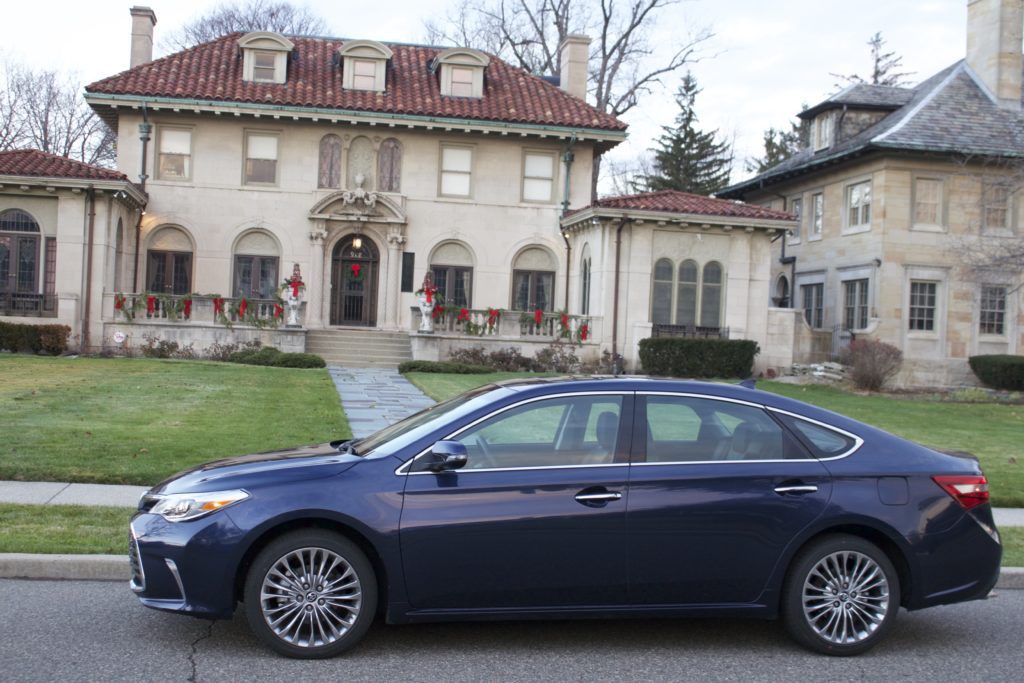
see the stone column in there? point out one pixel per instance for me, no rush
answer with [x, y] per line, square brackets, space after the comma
[396, 240]
[315, 287]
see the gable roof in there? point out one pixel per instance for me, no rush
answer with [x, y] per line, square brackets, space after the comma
[674, 201]
[949, 113]
[34, 163]
[212, 72]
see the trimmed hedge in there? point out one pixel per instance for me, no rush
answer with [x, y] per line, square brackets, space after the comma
[443, 366]
[52, 339]
[999, 371]
[684, 357]
[271, 357]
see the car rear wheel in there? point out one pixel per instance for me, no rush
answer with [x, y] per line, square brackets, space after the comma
[841, 596]
[310, 594]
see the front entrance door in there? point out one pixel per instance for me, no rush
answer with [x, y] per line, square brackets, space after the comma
[354, 268]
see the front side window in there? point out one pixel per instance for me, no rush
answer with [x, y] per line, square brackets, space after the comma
[796, 207]
[170, 272]
[456, 170]
[992, 314]
[175, 161]
[691, 429]
[454, 284]
[264, 67]
[538, 176]
[922, 305]
[813, 297]
[260, 158]
[711, 295]
[687, 295]
[19, 252]
[817, 213]
[927, 201]
[255, 277]
[577, 430]
[533, 289]
[855, 304]
[858, 204]
[661, 294]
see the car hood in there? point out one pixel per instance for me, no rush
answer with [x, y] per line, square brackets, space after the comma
[292, 464]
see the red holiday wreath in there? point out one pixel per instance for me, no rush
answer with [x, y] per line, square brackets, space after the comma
[356, 271]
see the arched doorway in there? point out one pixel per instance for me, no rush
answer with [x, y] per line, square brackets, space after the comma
[354, 269]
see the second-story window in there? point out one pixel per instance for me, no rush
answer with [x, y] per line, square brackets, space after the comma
[456, 170]
[538, 176]
[462, 81]
[927, 201]
[823, 131]
[858, 204]
[996, 199]
[364, 74]
[796, 207]
[264, 67]
[261, 158]
[817, 214]
[175, 159]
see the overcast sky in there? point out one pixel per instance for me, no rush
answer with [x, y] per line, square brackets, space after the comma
[767, 56]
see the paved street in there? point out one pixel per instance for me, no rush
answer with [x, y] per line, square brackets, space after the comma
[96, 631]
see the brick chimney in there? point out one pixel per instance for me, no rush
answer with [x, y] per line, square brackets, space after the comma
[574, 55]
[143, 21]
[995, 29]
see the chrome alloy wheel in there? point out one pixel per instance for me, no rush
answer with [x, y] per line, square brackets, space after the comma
[845, 597]
[310, 597]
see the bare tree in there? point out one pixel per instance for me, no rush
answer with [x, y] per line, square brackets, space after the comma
[44, 110]
[253, 15]
[528, 33]
[884, 67]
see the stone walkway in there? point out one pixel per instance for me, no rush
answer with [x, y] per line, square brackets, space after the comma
[374, 398]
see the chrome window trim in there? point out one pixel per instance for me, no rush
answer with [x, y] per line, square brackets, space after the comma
[403, 469]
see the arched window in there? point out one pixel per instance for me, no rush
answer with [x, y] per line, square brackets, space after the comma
[169, 262]
[452, 266]
[361, 164]
[686, 294]
[329, 175]
[19, 252]
[585, 276]
[711, 295]
[533, 280]
[389, 166]
[782, 292]
[661, 296]
[256, 266]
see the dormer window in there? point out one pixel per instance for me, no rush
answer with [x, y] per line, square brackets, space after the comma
[461, 71]
[265, 57]
[364, 65]
[823, 131]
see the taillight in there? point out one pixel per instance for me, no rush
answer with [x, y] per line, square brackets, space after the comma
[968, 490]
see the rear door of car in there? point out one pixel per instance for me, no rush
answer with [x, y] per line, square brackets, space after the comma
[537, 516]
[718, 488]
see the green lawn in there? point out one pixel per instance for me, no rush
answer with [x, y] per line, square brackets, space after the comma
[133, 421]
[81, 529]
[992, 431]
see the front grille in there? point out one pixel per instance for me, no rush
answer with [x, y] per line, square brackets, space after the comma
[138, 580]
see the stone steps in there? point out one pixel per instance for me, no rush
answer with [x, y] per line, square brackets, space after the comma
[360, 348]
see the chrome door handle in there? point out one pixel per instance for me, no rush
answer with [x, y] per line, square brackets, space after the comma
[796, 489]
[598, 497]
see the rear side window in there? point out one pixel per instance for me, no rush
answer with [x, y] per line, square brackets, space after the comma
[823, 442]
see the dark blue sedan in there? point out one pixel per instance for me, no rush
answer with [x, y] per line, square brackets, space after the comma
[575, 498]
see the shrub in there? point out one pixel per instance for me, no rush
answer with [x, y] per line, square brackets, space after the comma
[222, 352]
[558, 357]
[268, 356]
[159, 348]
[442, 366]
[682, 357]
[872, 363]
[474, 356]
[52, 339]
[999, 371]
[299, 360]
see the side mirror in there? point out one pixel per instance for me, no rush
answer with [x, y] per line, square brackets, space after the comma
[447, 455]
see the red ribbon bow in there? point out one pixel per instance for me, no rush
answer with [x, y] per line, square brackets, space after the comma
[150, 305]
[492, 316]
[538, 315]
[463, 314]
[355, 269]
[429, 293]
[584, 332]
[241, 308]
[295, 287]
[278, 311]
[218, 305]
[187, 306]
[118, 302]
[565, 320]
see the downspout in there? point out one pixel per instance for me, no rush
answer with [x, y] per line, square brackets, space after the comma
[567, 158]
[615, 295]
[145, 128]
[90, 231]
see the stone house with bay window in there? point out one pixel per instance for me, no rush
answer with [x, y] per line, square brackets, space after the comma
[897, 191]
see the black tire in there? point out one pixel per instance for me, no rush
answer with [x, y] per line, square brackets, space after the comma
[827, 615]
[310, 623]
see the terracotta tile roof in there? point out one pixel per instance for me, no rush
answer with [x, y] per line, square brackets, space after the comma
[674, 201]
[213, 71]
[32, 162]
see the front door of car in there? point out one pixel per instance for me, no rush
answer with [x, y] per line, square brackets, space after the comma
[717, 490]
[536, 518]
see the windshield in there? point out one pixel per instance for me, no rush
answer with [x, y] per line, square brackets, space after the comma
[393, 439]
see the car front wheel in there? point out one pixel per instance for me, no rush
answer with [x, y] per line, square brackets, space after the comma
[841, 596]
[310, 594]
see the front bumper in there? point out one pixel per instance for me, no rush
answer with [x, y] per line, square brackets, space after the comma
[185, 567]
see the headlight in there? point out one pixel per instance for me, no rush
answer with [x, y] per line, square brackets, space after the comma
[179, 507]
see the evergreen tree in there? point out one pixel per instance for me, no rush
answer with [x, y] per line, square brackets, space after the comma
[779, 145]
[687, 158]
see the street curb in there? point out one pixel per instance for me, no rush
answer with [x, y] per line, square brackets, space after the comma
[116, 568]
